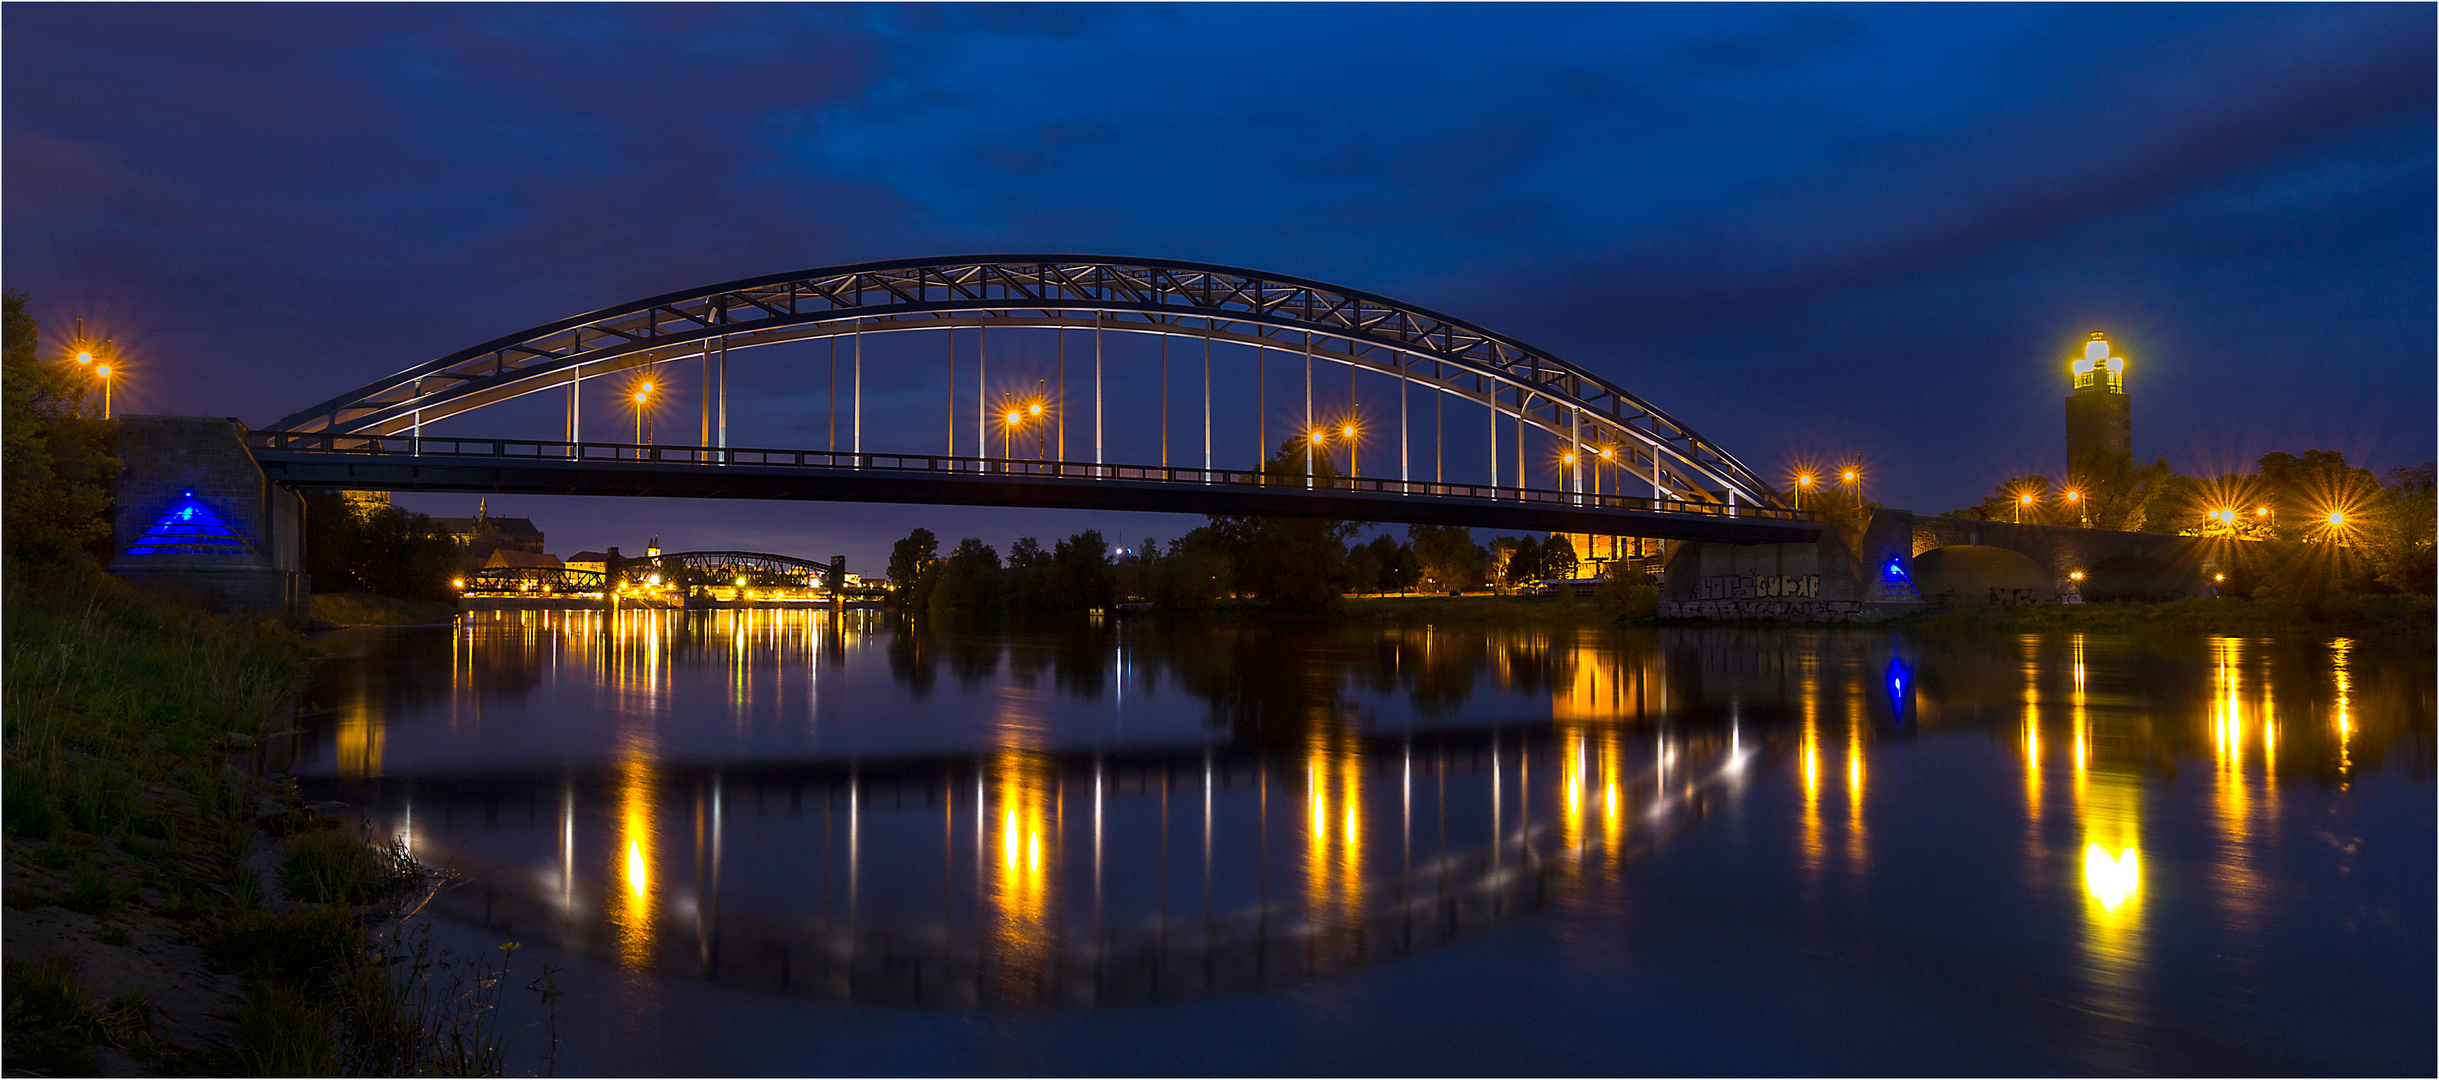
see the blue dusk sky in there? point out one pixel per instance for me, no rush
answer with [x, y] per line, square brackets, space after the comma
[1808, 231]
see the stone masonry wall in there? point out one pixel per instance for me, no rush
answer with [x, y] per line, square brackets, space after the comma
[166, 456]
[2065, 550]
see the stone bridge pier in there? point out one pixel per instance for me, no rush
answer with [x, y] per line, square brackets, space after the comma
[194, 514]
[1900, 563]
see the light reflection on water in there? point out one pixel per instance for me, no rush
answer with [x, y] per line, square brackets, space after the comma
[824, 804]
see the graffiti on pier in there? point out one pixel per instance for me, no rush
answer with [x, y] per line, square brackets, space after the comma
[1763, 587]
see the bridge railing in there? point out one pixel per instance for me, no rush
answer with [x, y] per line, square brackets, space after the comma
[543, 450]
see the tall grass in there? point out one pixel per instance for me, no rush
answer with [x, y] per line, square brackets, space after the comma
[105, 689]
[117, 708]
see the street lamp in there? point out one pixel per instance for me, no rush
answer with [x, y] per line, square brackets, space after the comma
[104, 372]
[1853, 476]
[1802, 481]
[2022, 501]
[2082, 513]
[643, 411]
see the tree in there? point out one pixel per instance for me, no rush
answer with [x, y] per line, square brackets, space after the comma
[56, 465]
[2228, 508]
[2400, 537]
[1384, 565]
[2009, 502]
[1523, 559]
[1558, 557]
[385, 551]
[1026, 551]
[909, 557]
[1447, 557]
[1297, 564]
[2304, 491]
[1085, 577]
[967, 581]
[2114, 492]
[1195, 572]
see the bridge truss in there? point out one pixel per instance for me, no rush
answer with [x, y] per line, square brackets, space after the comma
[1605, 426]
[532, 580]
[760, 569]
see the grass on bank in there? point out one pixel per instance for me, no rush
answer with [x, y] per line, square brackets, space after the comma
[107, 691]
[122, 802]
[366, 609]
[118, 706]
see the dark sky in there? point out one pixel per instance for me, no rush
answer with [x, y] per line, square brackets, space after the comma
[1807, 231]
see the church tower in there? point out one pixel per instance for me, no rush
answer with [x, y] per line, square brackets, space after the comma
[2097, 413]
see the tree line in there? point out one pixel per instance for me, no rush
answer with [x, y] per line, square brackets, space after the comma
[2315, 497]
[1296, 564]
[353, 547]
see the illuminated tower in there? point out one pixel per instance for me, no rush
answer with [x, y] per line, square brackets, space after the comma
[2097, 414]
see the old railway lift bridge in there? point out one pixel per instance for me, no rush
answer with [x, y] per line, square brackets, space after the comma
[1442, 421]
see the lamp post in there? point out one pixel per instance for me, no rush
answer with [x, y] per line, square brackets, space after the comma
[2022, 501]
[1802, 481]
[643, 412]
[1853, 477]
[1041, 435]
[97, 356]
[2083, 515]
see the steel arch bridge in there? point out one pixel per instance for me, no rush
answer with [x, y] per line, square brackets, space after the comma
[1684, 484]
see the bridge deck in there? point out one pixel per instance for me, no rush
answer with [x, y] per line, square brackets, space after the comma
[540, 467]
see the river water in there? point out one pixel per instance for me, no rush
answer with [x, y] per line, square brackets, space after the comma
[789, 842]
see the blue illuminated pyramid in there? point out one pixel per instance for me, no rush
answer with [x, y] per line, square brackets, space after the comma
[191, 528]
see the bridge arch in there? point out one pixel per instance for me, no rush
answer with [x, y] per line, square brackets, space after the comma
[1420, 348]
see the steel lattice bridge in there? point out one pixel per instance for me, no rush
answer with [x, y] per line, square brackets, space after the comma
[1630, 469]
[756, 568]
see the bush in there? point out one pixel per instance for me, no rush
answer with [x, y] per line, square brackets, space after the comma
[1627, 596]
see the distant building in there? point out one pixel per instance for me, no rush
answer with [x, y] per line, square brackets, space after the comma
[2098, 415]
[482, 534]
[367, 502]
[510, 558]
[595, 561]
[1594, 555]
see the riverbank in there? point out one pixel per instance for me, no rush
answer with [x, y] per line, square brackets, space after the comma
[366, 609]
[171, 913]
[127, 826]
[1478, 610]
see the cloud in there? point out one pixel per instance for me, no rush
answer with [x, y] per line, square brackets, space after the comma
[1709, 202]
